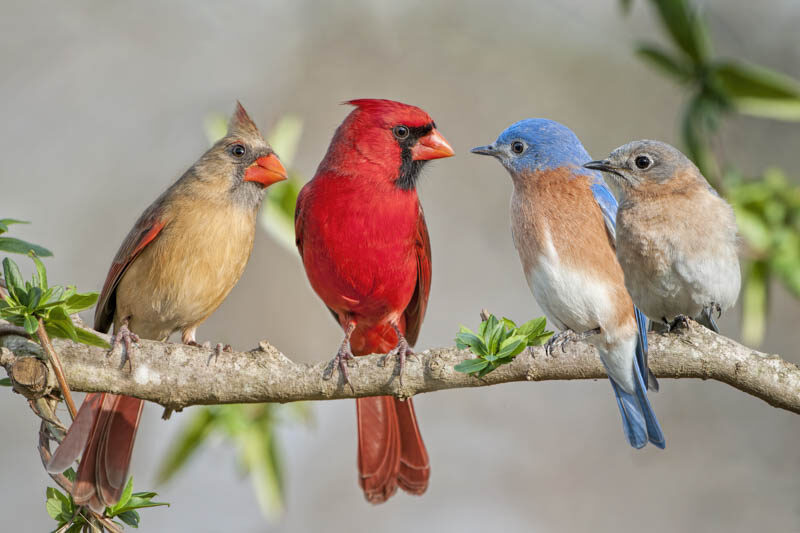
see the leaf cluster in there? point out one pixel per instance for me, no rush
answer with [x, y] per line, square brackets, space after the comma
[72, 518]
[29, 301]
[497, 342]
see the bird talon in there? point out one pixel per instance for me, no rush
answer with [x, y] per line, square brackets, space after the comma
[128, 339]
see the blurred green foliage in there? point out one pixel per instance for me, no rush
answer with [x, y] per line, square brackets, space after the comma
[767, 205]
[251, 428]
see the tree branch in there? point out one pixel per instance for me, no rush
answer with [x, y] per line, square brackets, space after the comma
[177, 376]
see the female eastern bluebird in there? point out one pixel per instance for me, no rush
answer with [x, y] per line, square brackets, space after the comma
[562, 223]
[676, 238]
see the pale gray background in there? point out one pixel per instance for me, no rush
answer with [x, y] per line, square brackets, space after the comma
[103, 106]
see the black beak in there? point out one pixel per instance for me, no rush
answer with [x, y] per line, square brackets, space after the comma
[604, 166]
[485, 150]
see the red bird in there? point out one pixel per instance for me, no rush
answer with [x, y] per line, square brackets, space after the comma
[178, 263]
[361, 233]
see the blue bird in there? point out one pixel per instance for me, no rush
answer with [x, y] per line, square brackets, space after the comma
[563, 227]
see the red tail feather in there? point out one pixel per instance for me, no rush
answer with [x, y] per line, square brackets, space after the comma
[390, 448]
[104, 431]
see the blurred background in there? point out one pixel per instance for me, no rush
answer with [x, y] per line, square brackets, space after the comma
[116, 100]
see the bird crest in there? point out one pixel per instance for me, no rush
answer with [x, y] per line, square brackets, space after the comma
[241, 123]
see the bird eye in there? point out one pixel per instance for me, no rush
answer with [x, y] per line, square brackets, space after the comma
[401, 132]
[643, 162]
[238, 150]
[517, 147]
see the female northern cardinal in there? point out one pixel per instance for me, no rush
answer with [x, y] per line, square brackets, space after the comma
[362, 236]
[177, 264]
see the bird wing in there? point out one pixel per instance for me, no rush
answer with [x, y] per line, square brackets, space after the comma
[415, 311]
[144, 231]
[608, 206]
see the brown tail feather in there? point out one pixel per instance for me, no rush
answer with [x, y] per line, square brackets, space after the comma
[77, 437]
[104, 430]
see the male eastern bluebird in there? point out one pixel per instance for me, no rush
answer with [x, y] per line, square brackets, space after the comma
[676, 238]
[562, 223]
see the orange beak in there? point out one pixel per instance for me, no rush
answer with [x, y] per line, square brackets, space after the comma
[432, 146]
[266, 171]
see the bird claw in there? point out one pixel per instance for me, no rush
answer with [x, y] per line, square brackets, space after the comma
[401, 351]
[127, 338]
[561, 338]
[678, 323]
[340, 361]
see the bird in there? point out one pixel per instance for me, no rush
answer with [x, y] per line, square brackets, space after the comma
[676, 237]
[364, 244]
[181, 259]
[562, 225]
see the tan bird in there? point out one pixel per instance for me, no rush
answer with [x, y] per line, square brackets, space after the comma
[176, 266]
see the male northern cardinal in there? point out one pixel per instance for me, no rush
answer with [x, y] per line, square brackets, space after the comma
[177, 264]
[362, 236]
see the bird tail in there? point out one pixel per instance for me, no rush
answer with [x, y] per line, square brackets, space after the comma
[104, 430]
[638, 419]
[391, 453]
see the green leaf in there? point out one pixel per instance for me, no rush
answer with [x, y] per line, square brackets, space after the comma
[665, 62]
[31, 325]
[686, 27]
[18, 246]
[512, 346]
[130, 517]
[475, 343]
[34, 297]
[11, 275]
[79, 302]
[59, 506]
[84, 336]
[509, 323]
[494, 334]
[754, 303]
[11, 221]
[123, 499]
[5, 382]
[759, 91]
[69, 473]
[470, 366]
[532, 328]
[540, 339]
[41, 272]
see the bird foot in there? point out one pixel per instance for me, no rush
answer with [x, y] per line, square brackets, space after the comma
[401, 351]
[218, 349]
[678, 323]
[340, 361]
[708, 314]
[561, 338]
[127, 338]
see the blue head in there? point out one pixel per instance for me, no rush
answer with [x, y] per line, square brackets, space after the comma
[536, 144]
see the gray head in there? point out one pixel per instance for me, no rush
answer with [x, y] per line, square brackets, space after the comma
[640, 163]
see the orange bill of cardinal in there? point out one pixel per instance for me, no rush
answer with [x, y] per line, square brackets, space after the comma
[362, 236]
[175, 267]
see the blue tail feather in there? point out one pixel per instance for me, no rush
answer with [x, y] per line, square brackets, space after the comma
[638, 419]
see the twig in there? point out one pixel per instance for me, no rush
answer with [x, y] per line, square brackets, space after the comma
[57, 368]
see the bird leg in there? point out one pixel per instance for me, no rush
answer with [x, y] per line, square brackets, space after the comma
[401, 351]
[127, 338]
[567, 335]
[342, 356]
[708, 314]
